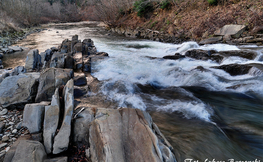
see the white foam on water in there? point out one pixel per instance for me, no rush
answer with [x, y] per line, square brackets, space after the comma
[127, 63]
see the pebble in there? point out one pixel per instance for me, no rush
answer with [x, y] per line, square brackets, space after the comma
[5, 138]
[3, 145]
[3, 112]
[14, 131]
[18, 125]
[11, 123]
[7, 149]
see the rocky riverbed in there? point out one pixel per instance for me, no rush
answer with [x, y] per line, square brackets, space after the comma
[46, 115]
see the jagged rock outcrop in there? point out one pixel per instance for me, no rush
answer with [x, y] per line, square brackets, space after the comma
[51, 122]
[33, 116]
[121, 135]
[61, 140]
[16, 91]
[49, 80]
[33, 60]
[57, 60]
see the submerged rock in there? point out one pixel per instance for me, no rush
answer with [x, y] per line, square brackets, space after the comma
[177, 56]
[204, 55]
[251, 55]
[15, 91]
[235, 69]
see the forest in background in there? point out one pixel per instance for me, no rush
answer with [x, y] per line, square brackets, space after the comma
[187, 18]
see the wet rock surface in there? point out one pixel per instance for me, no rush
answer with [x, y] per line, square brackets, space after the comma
[45, 128]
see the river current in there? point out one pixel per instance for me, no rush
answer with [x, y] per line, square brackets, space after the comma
[197, 110]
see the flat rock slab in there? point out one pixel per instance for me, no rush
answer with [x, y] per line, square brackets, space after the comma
[16, 48]
[16, 91]
[126, 135]
[211, 40]
[233, 30]
[61, 140]
[51, 122]
[33, 117]
[27, 151]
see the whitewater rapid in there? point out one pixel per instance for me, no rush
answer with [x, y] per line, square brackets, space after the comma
[140, 62]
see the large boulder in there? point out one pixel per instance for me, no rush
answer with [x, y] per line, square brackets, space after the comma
[121, 135]
[33, 117]
[51, 122]
[65, 46]
[16, 91]
[61, 140]
[29, 151]
[49, 80]
[33, 60]
[233, 30]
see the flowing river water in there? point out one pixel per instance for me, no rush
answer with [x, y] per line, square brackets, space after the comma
[197, 110]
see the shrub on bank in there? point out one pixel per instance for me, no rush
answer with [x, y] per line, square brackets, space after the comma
[142, 7]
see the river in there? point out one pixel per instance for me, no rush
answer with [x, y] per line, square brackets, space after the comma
[197, 110]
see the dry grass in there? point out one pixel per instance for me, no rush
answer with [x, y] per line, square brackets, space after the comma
[196, 19]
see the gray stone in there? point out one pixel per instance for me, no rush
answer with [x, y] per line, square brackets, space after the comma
[18, 125]
[81, 126]
[33, 60]
[29, 151]
[77, 47]
[2, 145]
[78, 62]
[211, 40]
[80, 79]
[113, 132]
[57, 60]
[73, 42]
[2, 126]
[49, 80]
[18, 70]
[17, 90]
[5, 138]
[3, 112]
[69, 62]
[61, 141]
[33, 117]
[15, 48]
[51, 122]
[233, 30]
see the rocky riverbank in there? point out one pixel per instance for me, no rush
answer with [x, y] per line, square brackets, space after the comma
[48, 112]
[231, 34]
